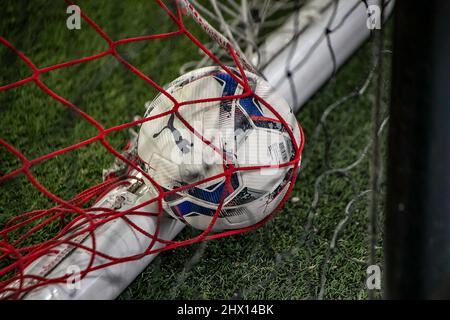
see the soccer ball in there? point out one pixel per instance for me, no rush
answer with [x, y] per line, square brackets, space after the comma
[209, 153]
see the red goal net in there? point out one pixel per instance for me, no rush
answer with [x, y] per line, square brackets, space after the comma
[71, 221]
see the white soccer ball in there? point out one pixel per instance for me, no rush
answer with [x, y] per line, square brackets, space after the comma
[204, 138]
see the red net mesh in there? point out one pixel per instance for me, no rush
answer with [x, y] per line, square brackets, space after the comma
[79, 210]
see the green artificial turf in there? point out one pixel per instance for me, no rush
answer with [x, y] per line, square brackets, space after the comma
[288, 258]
